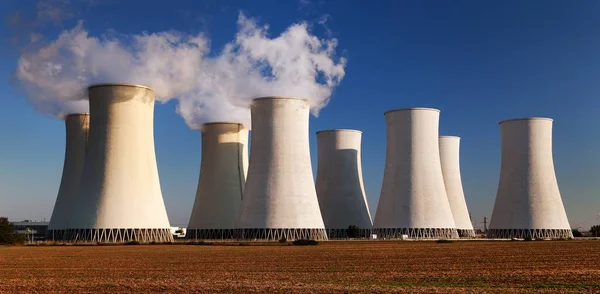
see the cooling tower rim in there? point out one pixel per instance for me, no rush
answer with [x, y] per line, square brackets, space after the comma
[221, 123]
[65, 117]
[77, 114]
[412, 108]
[279, 98]
[120, 84]
[526, 118]
[449, 137]
[339, 130]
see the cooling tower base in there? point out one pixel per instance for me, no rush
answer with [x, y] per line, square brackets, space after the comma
[343, 234]
[56, 235]
[466, 233]
[277, 234]
[112, 235]
[530, 233]
[209, 234]
[416, 233]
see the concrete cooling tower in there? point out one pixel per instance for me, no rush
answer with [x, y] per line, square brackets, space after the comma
[222, 179]
[120, 198]
[77, 126]
[413, 198]
[449, 155]
[340, 187]
[280, 200]
[528, 202]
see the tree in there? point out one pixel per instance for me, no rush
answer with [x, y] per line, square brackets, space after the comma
[353, 231]
[577, 233]
[595, 230]
[8, 236]
[305, 242]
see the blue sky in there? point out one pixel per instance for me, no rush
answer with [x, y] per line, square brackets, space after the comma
[479, 62]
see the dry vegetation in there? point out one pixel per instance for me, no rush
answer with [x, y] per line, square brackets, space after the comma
[478, 266]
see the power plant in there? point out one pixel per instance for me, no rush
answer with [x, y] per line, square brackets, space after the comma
[450, 159]
[120, 199]
[413, 200]
[110, 190]
[280, 200]
[77, 126]
[528, 202]
[221, 183]
[340, 187]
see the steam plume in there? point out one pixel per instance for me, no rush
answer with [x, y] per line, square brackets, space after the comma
[55, 77]
[220, 88]
[294, 64]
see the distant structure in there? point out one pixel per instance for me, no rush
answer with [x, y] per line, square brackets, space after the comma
[221, 183]
[280, 200]
[340, 187]
[77, 126]
[449, 155]
[485, 224]
[528, 202]
[119, 199]
[413, 198]
[34, 230]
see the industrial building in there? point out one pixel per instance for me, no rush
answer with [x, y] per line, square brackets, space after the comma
[34, 230]
[528, 203]
[221, 183]
[340, 187]
[450, 159]
[280, 199]
[120, 199]
[413, 200]
[77, 126]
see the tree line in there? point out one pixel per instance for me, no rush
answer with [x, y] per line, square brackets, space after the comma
[8, 235]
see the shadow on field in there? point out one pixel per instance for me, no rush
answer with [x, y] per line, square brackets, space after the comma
[300, 242]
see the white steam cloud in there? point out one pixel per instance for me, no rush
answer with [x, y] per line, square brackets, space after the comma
[294, 64]
[55, 77]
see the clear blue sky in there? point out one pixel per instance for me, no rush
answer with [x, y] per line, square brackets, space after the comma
[478, 61]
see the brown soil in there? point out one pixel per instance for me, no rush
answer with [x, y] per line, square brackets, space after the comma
[370, 267]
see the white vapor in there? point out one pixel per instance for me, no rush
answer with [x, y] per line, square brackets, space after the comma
[55, 77]
[294, 64]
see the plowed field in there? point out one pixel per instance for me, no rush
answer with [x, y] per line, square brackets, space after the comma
[370, 267]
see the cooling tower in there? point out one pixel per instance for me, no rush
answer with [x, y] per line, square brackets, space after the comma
[280, 200]
[528, 202]
[449, 155]
[340, 187]
[120, 198]
[222, 179]
[413, 198]
[77, 126]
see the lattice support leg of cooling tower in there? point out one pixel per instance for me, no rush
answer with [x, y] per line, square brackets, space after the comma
[277, 234]
[56, 235]
[416, 233]
[530, 233]
[343, 234]
[209, 234]
[118, 235]
[466, 233]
